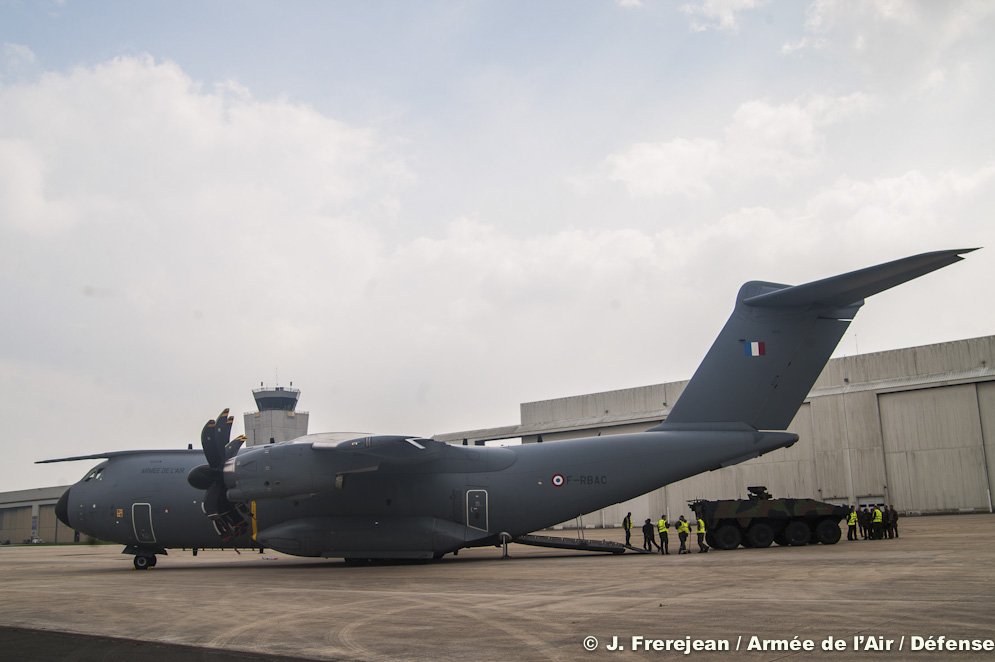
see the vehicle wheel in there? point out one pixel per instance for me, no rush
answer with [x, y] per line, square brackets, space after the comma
[153, 560]
[797, 533]
[710, 539]
[760, 534]
[728, 536]
[828, 532]
[143, 562]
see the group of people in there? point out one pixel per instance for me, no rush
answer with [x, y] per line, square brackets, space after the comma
[875, 523]
[649, 534]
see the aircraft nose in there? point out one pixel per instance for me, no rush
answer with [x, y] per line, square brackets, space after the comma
[62, 509]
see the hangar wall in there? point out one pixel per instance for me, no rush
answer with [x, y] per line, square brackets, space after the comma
[912, 427]
[28, 514]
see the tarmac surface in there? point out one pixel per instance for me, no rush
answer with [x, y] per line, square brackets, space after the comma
[88, 603]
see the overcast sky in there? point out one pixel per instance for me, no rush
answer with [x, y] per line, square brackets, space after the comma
[426, 213]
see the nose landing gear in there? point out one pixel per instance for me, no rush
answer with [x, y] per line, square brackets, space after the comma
[144, 561]
[145, 557]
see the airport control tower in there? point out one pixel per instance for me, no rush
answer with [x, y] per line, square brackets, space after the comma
[277, 418]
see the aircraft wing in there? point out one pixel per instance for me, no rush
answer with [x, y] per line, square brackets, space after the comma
[388, 449]
[110, 454]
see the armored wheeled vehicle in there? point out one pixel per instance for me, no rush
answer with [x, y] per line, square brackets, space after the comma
[761, 519]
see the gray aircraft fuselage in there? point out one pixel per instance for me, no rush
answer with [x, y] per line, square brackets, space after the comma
[460, 496]
[377, 496]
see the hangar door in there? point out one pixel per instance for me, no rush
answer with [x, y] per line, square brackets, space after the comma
[934, 458]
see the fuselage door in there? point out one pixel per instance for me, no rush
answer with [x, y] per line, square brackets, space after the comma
[476, 509]
[141, 518]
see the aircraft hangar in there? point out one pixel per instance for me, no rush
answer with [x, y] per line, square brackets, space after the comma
[911, 427]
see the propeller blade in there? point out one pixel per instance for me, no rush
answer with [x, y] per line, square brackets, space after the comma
[215, 501]
[213, 439]
[232, 447]
[224, 424]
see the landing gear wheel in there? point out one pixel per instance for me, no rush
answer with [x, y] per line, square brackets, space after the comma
[797, 533]
[728, 536]
[143, 562]
[828, 532]
[760, 535]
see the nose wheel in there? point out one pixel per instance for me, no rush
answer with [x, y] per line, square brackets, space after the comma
[144, 561]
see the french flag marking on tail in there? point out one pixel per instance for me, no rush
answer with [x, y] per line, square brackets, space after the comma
[755, 348]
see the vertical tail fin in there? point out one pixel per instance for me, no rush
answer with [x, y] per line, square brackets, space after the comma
[777, 341]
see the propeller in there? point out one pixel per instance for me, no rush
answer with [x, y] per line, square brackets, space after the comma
[225, 516]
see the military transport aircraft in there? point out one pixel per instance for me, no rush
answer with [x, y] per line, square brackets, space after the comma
[365, 496]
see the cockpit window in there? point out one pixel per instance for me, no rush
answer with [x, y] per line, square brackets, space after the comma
[96, 474]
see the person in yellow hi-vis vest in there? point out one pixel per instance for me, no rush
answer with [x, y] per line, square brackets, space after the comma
[877, 527]
[851, 524]
[702, 547]
[682, 532]
[662, 528]
[627, 525]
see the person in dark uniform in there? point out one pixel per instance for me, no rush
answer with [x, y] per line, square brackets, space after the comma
[886, 522]
[664, 538]
[627, 525]
[864, 519]
[649, 540]
[851, 524]
[894, 521]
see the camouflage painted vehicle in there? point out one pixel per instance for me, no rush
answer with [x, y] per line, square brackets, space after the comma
[761, 520]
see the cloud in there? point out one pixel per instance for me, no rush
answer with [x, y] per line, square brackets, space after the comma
[16, 61]
[718, 14]
[913, 44]
[762, 141]
[167, 244]
[14, 54]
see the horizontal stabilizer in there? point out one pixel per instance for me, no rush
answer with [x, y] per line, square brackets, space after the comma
[853, 287]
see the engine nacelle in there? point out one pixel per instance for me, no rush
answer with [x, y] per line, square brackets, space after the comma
[287, 470]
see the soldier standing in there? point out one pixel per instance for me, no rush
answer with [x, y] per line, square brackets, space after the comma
[851, 524]
[702, 547]
[682, 532]
[886, 522]
[894, 521]
[662, 528]
[649, 541]
[864, 520]
[627, 525]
